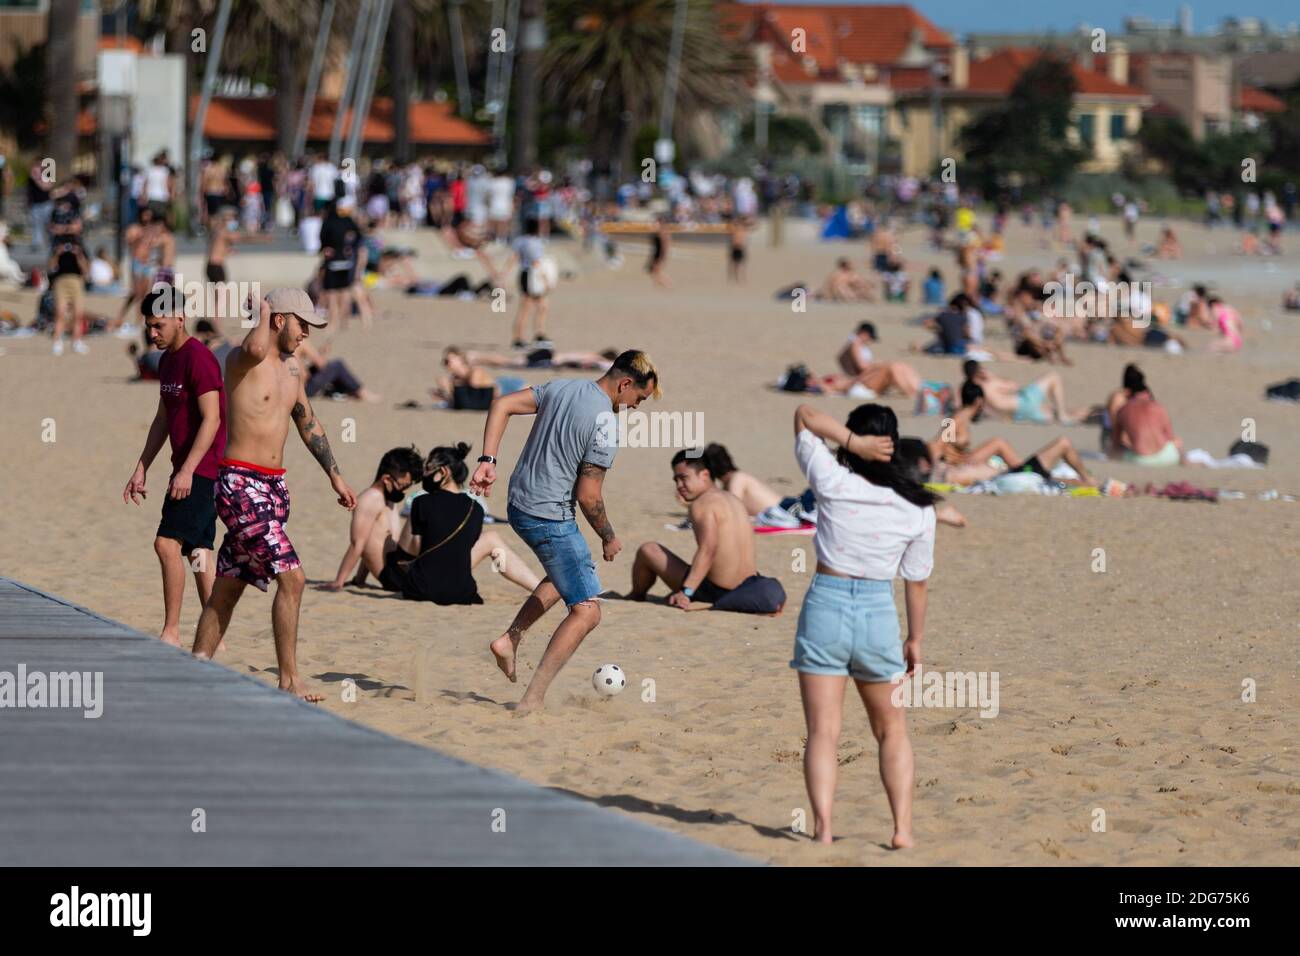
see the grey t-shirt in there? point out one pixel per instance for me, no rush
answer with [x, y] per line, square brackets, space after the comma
[575, 423]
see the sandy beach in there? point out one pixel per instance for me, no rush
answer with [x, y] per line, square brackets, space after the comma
[1119, 690]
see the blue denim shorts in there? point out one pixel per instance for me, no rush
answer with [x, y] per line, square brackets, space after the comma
[849, 627]
[564, 554]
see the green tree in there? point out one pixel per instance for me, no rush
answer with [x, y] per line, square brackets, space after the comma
[22, 101]
[607, 61]
[1028, 135]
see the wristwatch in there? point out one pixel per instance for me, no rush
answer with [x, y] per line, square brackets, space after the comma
[487, 458]
[689, 592]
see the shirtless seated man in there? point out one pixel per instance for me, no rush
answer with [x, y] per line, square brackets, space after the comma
[845, 285]
[724, 571]
[1141, 431]
[1041, 402]
[376, 520]
[954, 460]
[265, 387]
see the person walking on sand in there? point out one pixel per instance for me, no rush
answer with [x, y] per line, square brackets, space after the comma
[266, 389]
[192, 414]
[873, 523]
[563, 464]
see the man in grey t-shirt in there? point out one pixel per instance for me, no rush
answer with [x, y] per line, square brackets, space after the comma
[571, 446]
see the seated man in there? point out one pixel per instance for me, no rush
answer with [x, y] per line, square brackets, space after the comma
[376, 520]
[1141, 432]
[951, 328]
[1041, 402]
[723, 572]
[845, 285]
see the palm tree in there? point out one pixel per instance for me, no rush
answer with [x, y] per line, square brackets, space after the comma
[528, 67]
[607, 63]
[61, 84]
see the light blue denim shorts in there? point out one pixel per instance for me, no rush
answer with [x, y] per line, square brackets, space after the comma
[563, 552]
[848, 627]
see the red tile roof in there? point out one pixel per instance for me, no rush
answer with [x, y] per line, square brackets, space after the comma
[1254, 100]
[875, 34]
[997, 74]
[253, 119]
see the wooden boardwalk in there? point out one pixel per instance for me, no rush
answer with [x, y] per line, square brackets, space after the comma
[275, 781]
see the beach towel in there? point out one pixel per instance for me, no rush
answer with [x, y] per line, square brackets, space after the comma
[1183, 491]
[934, 398]
[1199, 456]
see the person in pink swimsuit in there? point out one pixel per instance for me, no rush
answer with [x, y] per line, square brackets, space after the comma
[1229, 322]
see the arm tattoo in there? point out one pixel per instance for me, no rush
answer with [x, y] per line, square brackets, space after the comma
[313, 436]
[595, 512]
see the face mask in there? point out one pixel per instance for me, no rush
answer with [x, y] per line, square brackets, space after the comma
[394, 495]
[431, 483]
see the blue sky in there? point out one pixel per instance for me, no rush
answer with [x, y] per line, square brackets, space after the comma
[964, 16]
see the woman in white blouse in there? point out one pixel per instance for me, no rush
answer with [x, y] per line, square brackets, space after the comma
[873, 523]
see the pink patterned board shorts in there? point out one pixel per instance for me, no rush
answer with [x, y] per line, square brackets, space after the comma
[253, 504]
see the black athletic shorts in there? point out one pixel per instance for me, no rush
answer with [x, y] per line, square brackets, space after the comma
[216, 272]
[192, 521]
[1036, 466]
[338, 279]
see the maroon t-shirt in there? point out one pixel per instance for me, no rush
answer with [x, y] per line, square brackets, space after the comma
[184, 375]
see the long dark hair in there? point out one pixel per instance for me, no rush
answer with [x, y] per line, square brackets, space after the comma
[718, 460]
[875, 419]
[451, 458]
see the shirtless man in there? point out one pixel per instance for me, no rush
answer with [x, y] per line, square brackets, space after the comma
[1041, 402]
[223, 233]
[845, 285]
[1141, 432]
[376, 519]
[151, 246]
[265, 385]
[724, 556]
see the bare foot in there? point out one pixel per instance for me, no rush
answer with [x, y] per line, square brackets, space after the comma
[299, 689]
[901, 840]
[170, 636]
[947, 514]
[524, 707]
[825, 838]
[503, 649]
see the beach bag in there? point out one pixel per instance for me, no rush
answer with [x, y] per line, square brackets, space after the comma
[283, 213]
[543, 276]
[1288, 391]
[1253, 450]
[309, 233]
[755, 595]
[934, 398]
[795, 379]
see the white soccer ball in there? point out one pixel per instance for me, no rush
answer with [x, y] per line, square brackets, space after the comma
[609, 679]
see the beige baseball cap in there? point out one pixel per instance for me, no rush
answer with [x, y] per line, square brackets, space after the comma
[295, 302]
